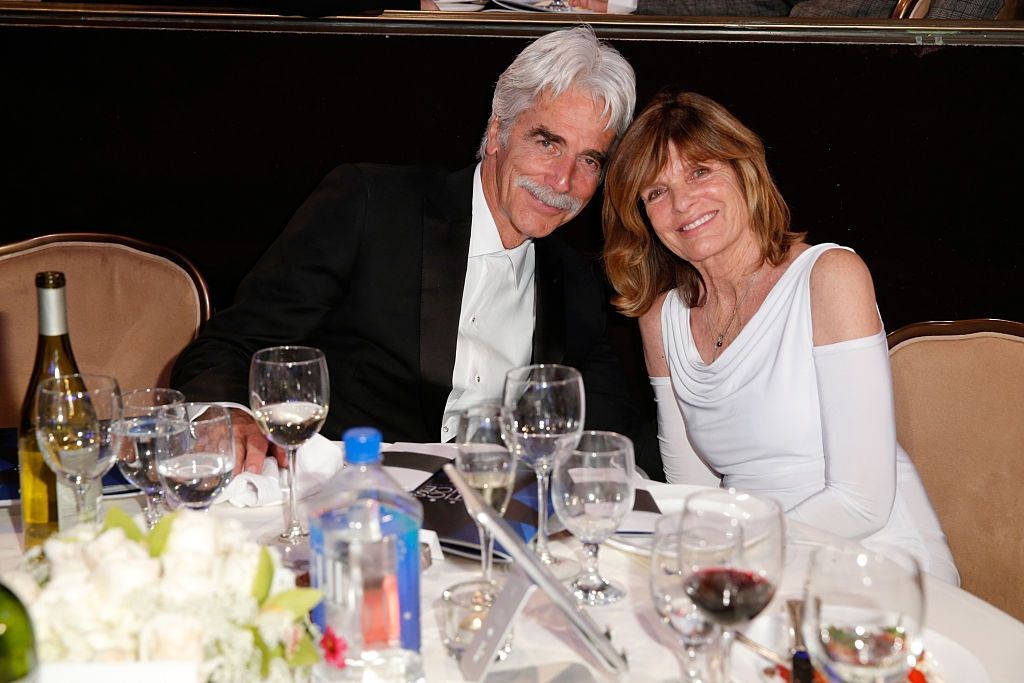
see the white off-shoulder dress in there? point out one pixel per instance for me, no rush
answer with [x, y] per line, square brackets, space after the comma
[811, 426]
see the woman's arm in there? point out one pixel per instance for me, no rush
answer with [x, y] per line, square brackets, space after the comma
[855, 396]
[681, 463]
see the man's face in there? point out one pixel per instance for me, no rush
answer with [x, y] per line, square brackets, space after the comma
[550, 167]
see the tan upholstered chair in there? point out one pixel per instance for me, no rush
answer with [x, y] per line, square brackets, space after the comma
[132, 308]
[959, 389]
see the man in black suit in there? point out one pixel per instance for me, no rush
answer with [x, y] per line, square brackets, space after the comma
[423, 287]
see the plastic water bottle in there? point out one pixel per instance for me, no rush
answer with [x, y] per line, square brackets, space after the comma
[364, 535]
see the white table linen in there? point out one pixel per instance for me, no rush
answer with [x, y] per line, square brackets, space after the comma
[546, 649]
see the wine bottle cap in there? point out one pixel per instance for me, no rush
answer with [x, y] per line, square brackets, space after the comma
[50, 279]
[362, 445]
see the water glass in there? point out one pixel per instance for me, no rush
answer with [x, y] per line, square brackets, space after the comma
[592, 488]
[863, 614]
[196, 459]
[142, 434]
[465, 607]
[696, 637]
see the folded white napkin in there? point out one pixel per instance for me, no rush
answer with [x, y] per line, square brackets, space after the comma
[317, 460]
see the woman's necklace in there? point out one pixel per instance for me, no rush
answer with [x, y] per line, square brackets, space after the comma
[719, 336]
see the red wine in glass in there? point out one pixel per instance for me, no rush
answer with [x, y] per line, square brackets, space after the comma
[729, 596]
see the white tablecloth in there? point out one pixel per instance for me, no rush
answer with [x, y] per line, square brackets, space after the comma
[545, 649]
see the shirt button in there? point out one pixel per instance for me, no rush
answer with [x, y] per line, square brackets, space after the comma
[473, 319]
[478, 379]
[444, 429]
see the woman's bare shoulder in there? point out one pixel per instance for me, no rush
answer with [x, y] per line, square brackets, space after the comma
[842, 298]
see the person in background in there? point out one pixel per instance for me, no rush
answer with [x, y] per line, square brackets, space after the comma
[424, 286]
[767, 355]
[876, 9]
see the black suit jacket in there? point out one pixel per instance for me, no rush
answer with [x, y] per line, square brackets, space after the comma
[371, 270]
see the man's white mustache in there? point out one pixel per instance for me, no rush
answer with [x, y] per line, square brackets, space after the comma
[548, 196]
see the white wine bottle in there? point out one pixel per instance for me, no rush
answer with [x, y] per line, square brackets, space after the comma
[45, 502]
[17, 640]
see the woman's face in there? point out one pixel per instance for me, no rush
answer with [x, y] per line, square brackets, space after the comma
[697, 209]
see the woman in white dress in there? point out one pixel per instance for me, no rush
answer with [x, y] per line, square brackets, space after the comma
[767, 355]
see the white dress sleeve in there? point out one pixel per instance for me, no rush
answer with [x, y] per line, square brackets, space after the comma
[681, 463]
[858, 427]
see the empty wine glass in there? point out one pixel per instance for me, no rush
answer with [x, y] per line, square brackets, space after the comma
[592, 488]
[544, 411]
[195, 453]
[487, 465]
[73, 417]
[142, 434]
[695, 635]
[289, 392]
[863, 614]
[731, 548]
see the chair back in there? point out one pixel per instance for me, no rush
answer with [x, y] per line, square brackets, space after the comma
[132, 308]
[959, 391]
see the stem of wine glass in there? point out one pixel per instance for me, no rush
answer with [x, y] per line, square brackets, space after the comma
[724, 669]
[541, 548]
[589, 576]
[486, 548]
[81, 488]
[152, 511]
[293, 530]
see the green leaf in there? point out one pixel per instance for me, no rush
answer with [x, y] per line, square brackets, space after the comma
[305, 652]
[158, 536]
[119, 519]
[266, 653]
[298, 601]
[264, 576]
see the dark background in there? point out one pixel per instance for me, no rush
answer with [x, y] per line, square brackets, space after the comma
[208, 140]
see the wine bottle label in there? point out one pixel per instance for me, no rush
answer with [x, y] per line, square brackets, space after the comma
[53, 317]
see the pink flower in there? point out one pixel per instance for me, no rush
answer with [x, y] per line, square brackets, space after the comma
[334, 648]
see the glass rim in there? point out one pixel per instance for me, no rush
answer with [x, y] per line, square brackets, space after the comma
[572, 374]
[315, 355]
[126, 397]
[457, 593]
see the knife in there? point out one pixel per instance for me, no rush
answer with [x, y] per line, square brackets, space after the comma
[802, 670]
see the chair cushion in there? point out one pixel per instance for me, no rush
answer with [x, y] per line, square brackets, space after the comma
[960, 415]
[130, 313]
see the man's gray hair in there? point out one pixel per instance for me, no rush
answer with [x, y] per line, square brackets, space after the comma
[562, 60]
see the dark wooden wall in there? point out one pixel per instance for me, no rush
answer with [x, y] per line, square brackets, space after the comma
[208, 140]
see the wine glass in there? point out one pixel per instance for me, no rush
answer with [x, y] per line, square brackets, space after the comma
[487, 465]
[731, 548]
[73, 416]
[195, 453]
[863, 614]
[289, 391]
[695, 635]
[544, 411]
[141, 433]
[592, 488]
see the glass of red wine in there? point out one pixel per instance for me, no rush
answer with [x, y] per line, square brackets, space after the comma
[731, 552]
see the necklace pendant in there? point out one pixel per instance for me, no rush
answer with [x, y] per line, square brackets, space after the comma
[718, 342]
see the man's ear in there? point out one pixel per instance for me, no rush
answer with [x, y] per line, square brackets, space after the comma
[493, 128]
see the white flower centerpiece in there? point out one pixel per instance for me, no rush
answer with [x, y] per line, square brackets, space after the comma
[194, 589]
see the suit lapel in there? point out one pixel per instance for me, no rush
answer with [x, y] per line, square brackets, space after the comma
[549, 327]
[446, 230]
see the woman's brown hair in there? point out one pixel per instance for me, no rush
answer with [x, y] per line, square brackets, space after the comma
[639, 266]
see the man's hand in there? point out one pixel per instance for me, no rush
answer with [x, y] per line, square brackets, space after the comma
[251, 447]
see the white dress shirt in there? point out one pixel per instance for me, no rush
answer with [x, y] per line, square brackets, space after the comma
[497, 316]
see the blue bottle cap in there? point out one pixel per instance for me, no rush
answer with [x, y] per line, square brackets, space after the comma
[362, 445]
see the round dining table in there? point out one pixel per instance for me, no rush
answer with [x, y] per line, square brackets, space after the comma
[970, 640]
